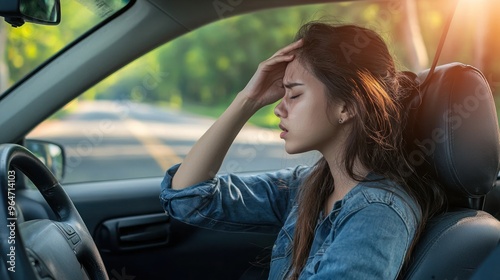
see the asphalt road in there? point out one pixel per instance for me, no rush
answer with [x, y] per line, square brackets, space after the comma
[106, 140]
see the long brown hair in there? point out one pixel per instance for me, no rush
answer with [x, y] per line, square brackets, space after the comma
[356, 67]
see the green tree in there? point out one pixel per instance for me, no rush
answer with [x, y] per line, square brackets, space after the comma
[32, 44]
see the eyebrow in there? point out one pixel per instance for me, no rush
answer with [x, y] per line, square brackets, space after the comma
[291, 85]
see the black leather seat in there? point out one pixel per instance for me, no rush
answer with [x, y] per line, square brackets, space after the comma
[454, 122]
[490, 268]
[492, 203]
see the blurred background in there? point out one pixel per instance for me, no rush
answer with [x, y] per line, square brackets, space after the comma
[209, 66]
[197, 75]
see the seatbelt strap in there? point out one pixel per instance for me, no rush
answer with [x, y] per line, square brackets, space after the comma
[441, 41]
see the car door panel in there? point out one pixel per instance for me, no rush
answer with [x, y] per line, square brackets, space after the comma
[137, 240]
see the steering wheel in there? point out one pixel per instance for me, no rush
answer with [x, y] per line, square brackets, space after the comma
[43, 249]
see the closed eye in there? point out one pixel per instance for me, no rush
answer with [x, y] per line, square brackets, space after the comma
[295, 96]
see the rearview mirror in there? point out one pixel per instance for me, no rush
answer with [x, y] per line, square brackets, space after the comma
[16, 12]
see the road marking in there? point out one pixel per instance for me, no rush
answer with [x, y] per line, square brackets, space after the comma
[164, 156]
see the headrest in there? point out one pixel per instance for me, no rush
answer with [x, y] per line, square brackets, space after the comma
[453, 124]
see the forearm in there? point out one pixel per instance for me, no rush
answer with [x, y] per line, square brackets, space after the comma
[265, 87]
[260, 206]
[205, 157]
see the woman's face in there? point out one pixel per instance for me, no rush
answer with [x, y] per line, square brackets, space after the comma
[305, 120]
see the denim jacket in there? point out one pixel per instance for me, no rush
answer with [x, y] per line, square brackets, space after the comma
[365, 236]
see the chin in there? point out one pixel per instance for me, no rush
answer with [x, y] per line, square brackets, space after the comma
[292, 150]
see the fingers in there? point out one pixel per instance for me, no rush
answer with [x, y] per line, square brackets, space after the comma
[276, 59]
[283, 55]
[293, 46]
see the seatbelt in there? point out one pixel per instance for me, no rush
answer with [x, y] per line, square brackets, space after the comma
[441, 42]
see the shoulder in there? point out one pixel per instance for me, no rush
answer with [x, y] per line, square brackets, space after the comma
[384, 198]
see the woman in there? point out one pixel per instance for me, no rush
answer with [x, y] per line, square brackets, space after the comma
[354, 215]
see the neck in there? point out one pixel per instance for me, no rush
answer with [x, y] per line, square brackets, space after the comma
[343, 182]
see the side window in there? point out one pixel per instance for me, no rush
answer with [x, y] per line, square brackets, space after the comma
[144, 118]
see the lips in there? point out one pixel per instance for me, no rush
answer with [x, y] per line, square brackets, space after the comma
[284, 133]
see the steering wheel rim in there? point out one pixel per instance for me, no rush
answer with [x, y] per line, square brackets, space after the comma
[68, 221]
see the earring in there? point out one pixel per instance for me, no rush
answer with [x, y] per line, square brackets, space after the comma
[341, 120]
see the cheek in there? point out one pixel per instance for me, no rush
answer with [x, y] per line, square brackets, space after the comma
[318, 116]
[308, 108]
[314, 121]
[322, 122]
[303, 115]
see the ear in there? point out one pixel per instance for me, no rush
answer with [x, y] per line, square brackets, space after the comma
[345, 113]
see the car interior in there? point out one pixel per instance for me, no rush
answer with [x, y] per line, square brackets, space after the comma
[117, 229]
[465, 227]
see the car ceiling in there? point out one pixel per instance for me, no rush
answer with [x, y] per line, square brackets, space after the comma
[192, 14]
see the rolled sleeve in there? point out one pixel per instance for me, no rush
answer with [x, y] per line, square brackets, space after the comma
[258, 203]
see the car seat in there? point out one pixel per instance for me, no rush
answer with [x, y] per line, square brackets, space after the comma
[453, 122]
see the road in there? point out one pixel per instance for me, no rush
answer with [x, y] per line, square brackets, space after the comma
[108, 140]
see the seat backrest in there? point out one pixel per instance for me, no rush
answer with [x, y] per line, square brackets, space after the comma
[492, 202]
[489, 269]
[454, 124]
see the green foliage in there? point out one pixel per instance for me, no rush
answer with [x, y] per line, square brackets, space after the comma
[207, 67]
[30, 45]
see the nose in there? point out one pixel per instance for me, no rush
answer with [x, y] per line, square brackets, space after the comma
[280, 110]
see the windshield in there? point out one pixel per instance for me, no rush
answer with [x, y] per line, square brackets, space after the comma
[31, 44]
